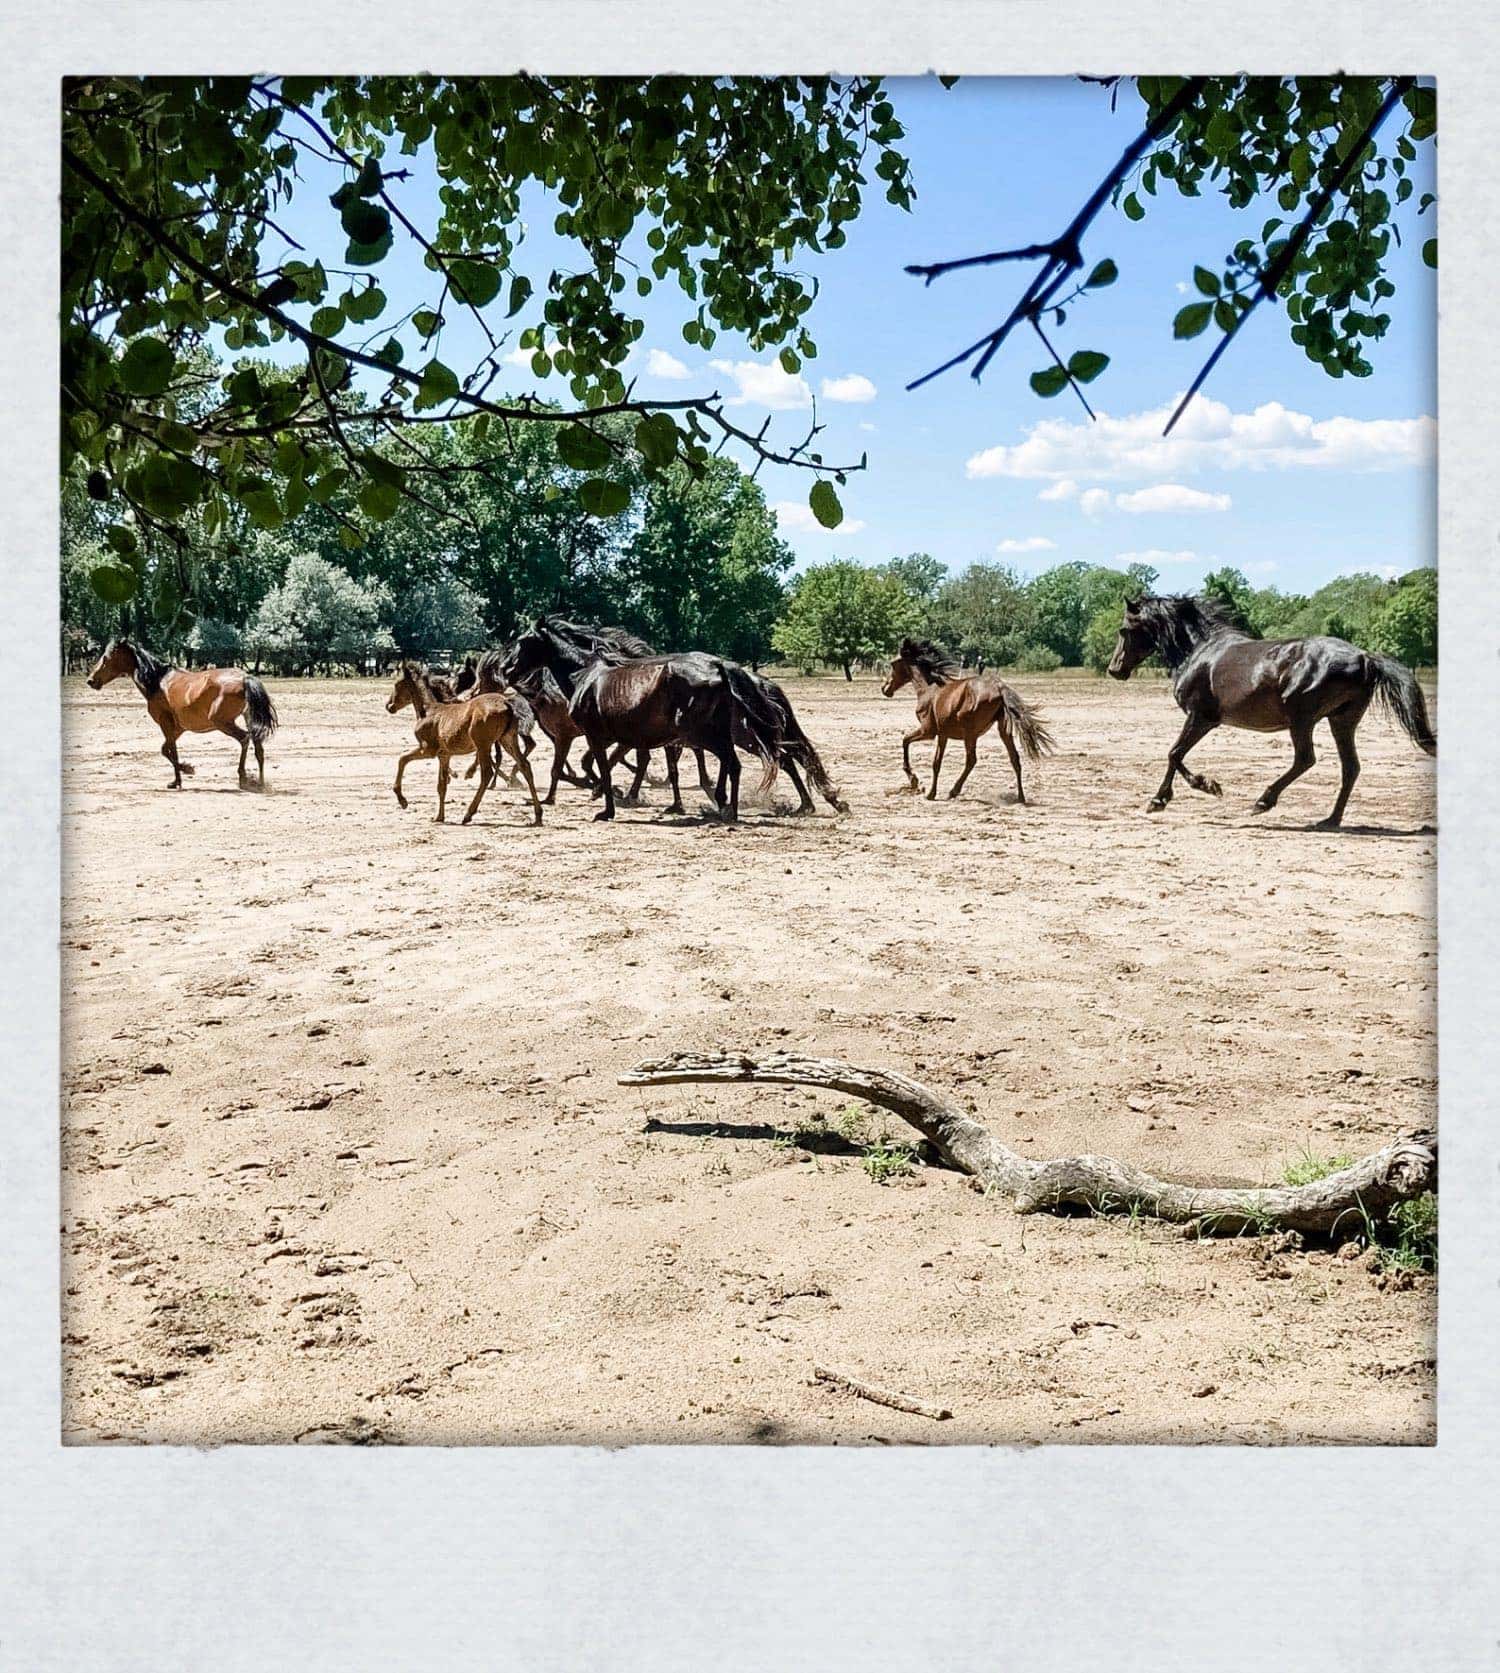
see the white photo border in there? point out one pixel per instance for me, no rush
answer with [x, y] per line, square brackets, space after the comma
[668, 1558]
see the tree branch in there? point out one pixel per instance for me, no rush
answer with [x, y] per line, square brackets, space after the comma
[1370, 1188]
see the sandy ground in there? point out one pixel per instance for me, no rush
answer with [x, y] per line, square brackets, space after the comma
[344, 1157]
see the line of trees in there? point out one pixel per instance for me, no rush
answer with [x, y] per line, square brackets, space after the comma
[845, 615]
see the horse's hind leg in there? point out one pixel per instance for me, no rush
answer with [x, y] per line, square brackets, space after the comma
[937, 766]
[717, 792]
[674, 755]
[1015, 765]
[1343, 725]
[485, 762]
[242, 738]
[804, 801]
[1303, 757]
[523, 767]
[971, 755]
[443, 775]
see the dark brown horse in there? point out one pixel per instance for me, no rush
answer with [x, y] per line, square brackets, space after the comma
[193, 700]
[955, 705]
[1223, 677]
[673, 703]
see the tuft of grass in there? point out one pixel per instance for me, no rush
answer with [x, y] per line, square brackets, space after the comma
[1408, 1240]
[889, 1161]
[852, 1124]
[1307, 1168]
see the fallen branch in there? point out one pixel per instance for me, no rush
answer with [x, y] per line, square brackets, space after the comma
[881, 1396]
[1336, 1203]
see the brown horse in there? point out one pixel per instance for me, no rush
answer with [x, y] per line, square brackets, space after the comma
[1223, 677]
[478, 726]
[964, 706]
[193, 700]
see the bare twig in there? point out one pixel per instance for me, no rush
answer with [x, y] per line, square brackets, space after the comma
[881, 1396]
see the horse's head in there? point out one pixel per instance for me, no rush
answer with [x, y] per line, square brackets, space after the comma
[526, 655]
[405, 693]
[899, 675]
[466, 676]
[116, 659]
[1135, 643]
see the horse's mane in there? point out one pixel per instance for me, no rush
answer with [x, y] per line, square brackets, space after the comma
[1179, 623]
[149, 673]
[931, 661]
[586, 636]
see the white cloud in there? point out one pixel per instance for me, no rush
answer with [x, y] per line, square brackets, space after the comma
[1092, 501]
[796, 517]
[764, 385]
[520, 359]
[865, 424]
[852, 388]
[1209, 436]
[1172, 496]
[1063, 490]
[660, 364]
[1032, 543]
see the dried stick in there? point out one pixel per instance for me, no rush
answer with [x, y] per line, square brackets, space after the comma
[881, 1396]
[1371, 1187]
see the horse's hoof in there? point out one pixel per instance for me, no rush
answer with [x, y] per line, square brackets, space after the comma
[675, 807]
[1155, 805]
[602, 814]
[1212, 787]
[1328, 824]
[1262, 807]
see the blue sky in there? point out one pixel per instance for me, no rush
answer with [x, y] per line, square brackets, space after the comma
[1290, 475]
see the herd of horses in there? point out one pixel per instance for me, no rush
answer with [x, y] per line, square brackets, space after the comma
[608, 689]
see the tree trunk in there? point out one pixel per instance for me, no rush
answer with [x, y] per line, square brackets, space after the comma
[1341, 1202]
[849, 672]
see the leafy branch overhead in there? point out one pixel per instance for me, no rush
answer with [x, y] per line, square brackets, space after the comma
[1313, 142]
[174, 194]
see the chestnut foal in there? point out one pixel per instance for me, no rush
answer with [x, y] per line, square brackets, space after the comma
[193, 700]
[479, 726]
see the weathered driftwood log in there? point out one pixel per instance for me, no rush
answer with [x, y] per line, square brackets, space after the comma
[1335, 1205]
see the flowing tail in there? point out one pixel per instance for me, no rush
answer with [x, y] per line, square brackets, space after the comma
[1397, 688]
[260, 711]
[1026, 725]
[798, 748]
[755, 723]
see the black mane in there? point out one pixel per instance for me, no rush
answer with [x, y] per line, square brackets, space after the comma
[933, 663]
[586, 636]
[149, 673]
[1178, 623]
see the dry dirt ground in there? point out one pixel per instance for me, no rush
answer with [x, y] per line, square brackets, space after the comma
[344, 1157]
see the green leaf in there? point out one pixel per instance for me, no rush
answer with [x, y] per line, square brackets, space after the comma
[327, 485]
[474, 282]
[602, 498]
[656, 440]
[1429, 252]
[1087, 364]
[439, 384]
[167, 487]
[1104, 274]
[379, 500]
[263, 506]
[121, 538]
[327, 322]
[146, 367]
[366, 255]
[1133, 209]
[365, 223]
[113, 582]
[426, 322]
[362, 305]
[370, 178]
[1209, 284]
[790, 364]
[825, 505]
[520, 294]
[1192, 319]
[1050, 381]
[582, 449]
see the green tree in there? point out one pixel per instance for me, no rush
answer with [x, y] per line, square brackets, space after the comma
[319, 616]
[1406, 626]
[985, 615]
[920, 573]
[703, 569]
[842, 613]
[1229, 588]
[172, 194]
[437, 615]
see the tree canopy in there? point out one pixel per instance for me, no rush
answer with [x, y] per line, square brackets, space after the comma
[172, 249]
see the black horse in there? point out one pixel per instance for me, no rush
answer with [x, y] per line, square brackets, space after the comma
[1221, 676]
[567, 647]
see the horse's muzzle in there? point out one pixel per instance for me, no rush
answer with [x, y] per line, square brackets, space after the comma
[93, 684]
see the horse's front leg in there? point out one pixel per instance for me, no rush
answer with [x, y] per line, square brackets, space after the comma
[673, 753]
[602, 764]
[442, 787]
[918, 734]
[1195, 728]
[169, 750]
[715, 791]
[411, 755]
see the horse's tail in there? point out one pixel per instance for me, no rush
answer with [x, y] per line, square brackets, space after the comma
[260, 711]
[754, 719]
[1026, 725]
[798, 747]
[1397, 688]
[524, 713]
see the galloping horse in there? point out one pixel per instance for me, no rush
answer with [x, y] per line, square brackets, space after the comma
[197, 700]
[478, 726]
[965, 706]
[1223, 677]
